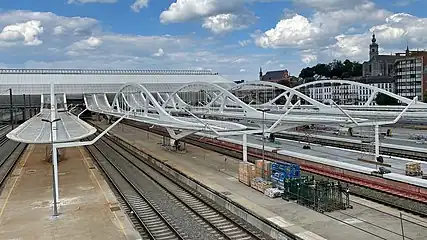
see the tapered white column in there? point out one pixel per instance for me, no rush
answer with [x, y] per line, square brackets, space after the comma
[54, 150]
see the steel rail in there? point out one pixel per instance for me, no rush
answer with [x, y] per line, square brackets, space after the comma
[154, 223]
[215, 218]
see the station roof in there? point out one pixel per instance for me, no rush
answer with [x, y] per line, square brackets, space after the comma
[35, 131]
[80, 81]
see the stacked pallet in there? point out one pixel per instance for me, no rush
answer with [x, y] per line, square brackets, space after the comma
[413, 169]
[247, 171]
[260, 184]
[267, 170]
[259, 168]
[263, 169]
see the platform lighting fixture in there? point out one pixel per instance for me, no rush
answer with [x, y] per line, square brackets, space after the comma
[55, 201]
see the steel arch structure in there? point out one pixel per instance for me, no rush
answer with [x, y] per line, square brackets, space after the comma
[223, 97]
[137, 103]
[225, 105]
[288, 93]
[375, 90]
[314, 107]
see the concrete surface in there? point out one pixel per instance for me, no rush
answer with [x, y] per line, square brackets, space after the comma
[400, 136]
[211, 169]
[88, 209]
[333, 153]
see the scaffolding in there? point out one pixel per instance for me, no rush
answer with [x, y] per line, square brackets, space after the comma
[322, 196]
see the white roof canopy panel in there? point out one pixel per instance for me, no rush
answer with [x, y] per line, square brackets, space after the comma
[68, 129]
[70, 81]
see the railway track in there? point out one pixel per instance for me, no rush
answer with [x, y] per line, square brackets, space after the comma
[382, 198]
[174, 211]
[155, 225]
[348, 145]
[378, 230]
[10, 152]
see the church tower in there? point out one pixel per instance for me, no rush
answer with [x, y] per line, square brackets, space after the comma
[260, 74]
[373, 48]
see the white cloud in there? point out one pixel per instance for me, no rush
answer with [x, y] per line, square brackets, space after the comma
[220, 16]
[75, 42]
[91, 1]
[329, 4]
[228, 22]
[321, 28]
[297, 30]
[87, 44]
[331, 33]
[26, 32]
[308, 57]
[184, 10]
[160, 53]
[404, 3]
[138, 5]
[244, 43]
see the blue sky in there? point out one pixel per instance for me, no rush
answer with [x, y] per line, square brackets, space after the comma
[232, 37]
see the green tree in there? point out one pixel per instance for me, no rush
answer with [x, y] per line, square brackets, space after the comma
[322, 70]
[307, 72]
[336, 68]
[383, 99]
[357, 69]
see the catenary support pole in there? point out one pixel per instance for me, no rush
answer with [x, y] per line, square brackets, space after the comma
[24, 112]
[377, 141]
[245, 147]
[263, 137]
[11, 107]
[29, 104]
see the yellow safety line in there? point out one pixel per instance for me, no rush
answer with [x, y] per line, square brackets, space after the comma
[16, 180]
[103, 192]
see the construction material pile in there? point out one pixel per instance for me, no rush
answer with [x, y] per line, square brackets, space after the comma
[413, 169]
[260, 184]
[273, 192]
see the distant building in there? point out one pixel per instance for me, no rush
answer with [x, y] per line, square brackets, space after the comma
[280, 76]
[411, 74]
[378, 65]
[349, 94]
[409, 69]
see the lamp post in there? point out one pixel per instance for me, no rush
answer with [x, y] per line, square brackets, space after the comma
[11, 107]
[54, 162]
[263, 110]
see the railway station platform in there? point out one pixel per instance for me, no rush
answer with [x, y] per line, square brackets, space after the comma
[87, 208]
[219, 173]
